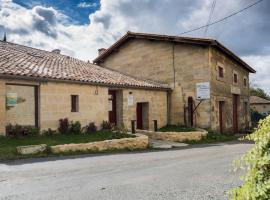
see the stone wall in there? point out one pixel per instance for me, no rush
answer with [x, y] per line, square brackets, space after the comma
[223, 90]
[157, 106]
[261, 108]
[55, 103]
[139, 142]
[2, 107]
[175, 136]
[179, 65]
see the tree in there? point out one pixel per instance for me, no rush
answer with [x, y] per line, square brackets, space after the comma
[259, 93]
[256, 162]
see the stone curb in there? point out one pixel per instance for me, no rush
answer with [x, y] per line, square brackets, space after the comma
[31, 149]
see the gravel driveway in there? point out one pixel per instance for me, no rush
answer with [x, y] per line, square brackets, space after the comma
[203, 172]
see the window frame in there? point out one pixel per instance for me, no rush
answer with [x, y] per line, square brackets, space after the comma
[235, 81]
[74, 103]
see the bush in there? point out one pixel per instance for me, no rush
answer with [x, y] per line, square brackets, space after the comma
[256, 161]
[20, 131]
[90, 128]
[105, 125]
[63, 126]
[49, 132]
[122, 129]
[75, 128]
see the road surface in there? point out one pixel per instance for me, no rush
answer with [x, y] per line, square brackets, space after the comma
[204, 172]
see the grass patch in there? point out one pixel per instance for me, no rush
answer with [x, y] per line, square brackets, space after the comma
[212, 137]
[176, 128]
[8, 145]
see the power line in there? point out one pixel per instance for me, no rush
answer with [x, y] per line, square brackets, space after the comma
[222, 19]
[210, 16]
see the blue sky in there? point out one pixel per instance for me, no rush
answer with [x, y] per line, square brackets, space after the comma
[80, 27]
[78, 11]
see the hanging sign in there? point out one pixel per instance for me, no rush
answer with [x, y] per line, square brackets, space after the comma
[11, 99]
[130, 100]
[203, 90]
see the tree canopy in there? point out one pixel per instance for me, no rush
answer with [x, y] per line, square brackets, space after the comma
[259, 93]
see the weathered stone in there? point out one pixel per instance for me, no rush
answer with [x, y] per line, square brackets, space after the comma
[139, 142]
[31, 149]
[175, 136]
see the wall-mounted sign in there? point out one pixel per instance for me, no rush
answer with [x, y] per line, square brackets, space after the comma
[110, 105]
[11, 99]
[130, 100]
[203, 90]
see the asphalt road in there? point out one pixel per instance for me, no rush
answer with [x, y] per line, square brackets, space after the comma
[204, 172]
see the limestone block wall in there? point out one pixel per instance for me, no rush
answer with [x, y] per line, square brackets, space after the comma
[223, 89]
[2, 107]
[55, 103]
[157, 106]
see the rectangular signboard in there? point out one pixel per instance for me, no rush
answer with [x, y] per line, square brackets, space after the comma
[203, 90]
[11, 99]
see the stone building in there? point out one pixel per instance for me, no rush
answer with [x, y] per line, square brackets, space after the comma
[39, 87]
[260, 105]
[191, 67]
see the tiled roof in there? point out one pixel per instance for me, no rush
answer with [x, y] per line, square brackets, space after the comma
[258, 100]
[175, 39]
[21, 61]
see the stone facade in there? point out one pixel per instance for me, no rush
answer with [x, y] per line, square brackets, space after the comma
[262, 108]
[182, 66]
[54, 103]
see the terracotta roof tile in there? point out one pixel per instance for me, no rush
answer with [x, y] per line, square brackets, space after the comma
[35, 63]
[258, 100]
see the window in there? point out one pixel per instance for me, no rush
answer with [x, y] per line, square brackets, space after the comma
[235, 78]
[220, 72]
[245, 82]
[74, 103]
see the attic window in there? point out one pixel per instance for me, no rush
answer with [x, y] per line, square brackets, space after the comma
[220, 72]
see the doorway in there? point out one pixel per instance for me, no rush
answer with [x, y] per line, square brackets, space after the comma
[142, 110]
[221, 114]
[190, 111]
[112, 107]
[235, 113]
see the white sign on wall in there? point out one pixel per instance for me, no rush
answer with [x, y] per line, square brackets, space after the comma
[130, 100]
[203, 90]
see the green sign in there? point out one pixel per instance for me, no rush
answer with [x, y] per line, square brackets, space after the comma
[11, 99]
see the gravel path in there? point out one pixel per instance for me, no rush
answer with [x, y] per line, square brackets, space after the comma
[203, 172]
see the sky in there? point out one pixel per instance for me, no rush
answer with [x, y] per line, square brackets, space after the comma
[80, 27]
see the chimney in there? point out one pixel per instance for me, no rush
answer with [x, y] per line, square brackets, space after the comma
[56, 51]
[101, 50]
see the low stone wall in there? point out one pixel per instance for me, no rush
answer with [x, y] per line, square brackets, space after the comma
[175, 136]
[139, 142]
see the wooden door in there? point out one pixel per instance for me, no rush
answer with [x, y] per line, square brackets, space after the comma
[139, 113]
[112, 107]
[221, 123]
[190, 111]
[235, 113]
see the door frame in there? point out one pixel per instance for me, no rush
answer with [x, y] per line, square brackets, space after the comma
[112, 115]
[221, 114]
[139, 116]
[235, 112]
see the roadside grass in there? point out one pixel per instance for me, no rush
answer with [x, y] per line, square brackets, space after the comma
[8, 145]
[212, 137]
[176, 128]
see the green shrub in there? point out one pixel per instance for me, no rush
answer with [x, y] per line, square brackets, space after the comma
[256, 161]
[122, 129]
[49, 132]
[75, 128]
[63, 127]
[90, 128]
[20, 131]
[105, 125]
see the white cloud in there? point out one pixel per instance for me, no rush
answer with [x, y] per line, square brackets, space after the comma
[87, 5]
[48, 28]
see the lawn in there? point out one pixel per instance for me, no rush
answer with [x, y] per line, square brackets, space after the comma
[212, 137]
[176, 128]
[8, 145]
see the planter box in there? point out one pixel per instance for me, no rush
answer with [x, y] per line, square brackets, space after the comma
[31, 149]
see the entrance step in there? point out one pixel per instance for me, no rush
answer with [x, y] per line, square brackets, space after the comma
[161, 144]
